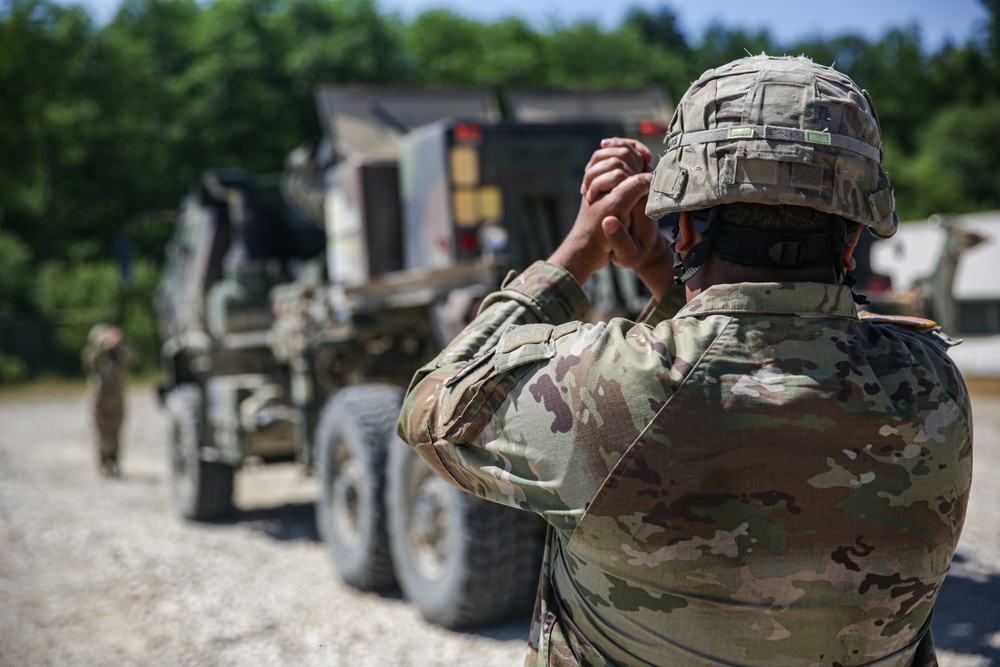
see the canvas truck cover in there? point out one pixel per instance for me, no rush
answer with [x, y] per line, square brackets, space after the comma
[627, 106]
[367, 123]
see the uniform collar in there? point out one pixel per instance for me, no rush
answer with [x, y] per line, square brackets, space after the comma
[802, 299]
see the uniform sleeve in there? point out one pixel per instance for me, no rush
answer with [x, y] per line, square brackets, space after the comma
[929, 349]
[450, 436]
[526, 407]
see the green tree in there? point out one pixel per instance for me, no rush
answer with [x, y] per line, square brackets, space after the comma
[78, 296]
[15, 275]
[75, 297]
[46, 119]
[104, 128]
[144, 54]
[91, 123]
[513, 55]
[670, 60]
[236, 110]
[720, 45]
[658, 28]
[893, 69]
[445, 48]
[582, 56]
[345, 42]
[956, 169]
[899, 77]
[992, 31]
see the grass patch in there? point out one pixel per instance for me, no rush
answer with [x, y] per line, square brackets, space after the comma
[63, 387]
[43, 387]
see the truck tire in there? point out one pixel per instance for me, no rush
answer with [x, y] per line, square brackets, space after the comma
[462, 560]
[351, 442]
[200, 490]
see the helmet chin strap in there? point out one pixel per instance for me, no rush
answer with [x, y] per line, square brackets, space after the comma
[753, 247]
[706, 223]
[846, 230]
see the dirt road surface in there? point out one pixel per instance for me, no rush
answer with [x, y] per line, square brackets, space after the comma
[102, 572]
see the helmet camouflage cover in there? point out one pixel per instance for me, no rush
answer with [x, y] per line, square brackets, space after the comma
[772, 130]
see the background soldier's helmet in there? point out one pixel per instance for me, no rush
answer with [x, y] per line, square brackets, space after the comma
[104, 335]
[97, 332]
[776, 131]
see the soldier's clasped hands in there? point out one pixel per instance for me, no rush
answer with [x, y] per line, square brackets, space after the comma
[612, 225]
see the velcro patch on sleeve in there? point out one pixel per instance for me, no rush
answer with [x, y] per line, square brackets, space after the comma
[524, 344]
[486, 380]
[565, 330]
[518, 335]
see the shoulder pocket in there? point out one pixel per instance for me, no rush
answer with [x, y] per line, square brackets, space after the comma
[475, 391]
[529, 343]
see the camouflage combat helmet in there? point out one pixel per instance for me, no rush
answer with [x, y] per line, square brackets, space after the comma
[773, 130]
[97, 332]
[103, 334]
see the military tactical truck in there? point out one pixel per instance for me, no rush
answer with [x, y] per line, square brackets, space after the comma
[295, 311]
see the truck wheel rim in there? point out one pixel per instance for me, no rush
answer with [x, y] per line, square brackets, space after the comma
[430, 512]
[347, 488]
[182, 455]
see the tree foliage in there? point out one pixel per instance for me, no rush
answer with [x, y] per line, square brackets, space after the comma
[15, 275]
[104, 128]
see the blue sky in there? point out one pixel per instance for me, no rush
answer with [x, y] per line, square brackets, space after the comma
[786, 19]
[938, 20]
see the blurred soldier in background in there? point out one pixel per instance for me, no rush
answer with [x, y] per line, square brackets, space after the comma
[106, 359]
[756, 473]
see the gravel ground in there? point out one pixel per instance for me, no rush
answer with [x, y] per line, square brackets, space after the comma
[102, 572]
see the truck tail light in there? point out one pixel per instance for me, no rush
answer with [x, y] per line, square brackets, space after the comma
[468, 242]
[652, 128]
[465, 132]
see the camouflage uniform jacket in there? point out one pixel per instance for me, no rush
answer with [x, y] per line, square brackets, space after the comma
[761, 479]
[106, 368]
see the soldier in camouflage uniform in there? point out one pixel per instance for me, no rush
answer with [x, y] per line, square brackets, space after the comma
[755, 473]
[106, 359]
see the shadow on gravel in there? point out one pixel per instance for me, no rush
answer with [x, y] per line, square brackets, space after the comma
[516, 628]
[297, 521]
[292, 521]
[967, 614]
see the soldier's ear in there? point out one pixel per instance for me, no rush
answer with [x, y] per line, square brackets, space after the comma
[688, 236]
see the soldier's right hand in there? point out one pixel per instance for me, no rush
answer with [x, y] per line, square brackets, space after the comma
[623, 166]
[617, 160]
[612, 163]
